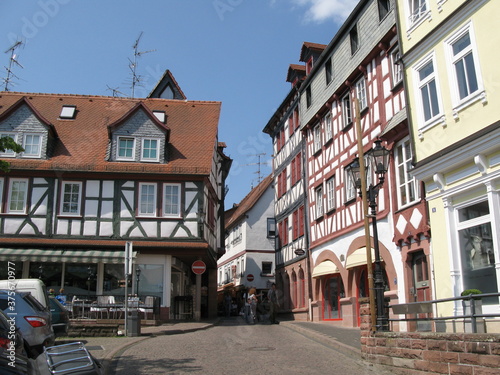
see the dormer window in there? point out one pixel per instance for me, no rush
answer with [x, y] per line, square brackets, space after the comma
[150, 149]
[68, 112]
[8, 153]
[126, 148]
[32, 145]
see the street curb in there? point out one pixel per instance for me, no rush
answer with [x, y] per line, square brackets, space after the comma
[324, 339]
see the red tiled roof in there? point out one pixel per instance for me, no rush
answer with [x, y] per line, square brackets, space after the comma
[234, 214]
[83, 141]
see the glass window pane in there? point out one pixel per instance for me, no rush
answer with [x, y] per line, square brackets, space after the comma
[473, 211]
[461, 44]
[478, 258]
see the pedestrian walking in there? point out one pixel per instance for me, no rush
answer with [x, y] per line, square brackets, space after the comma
[272, 295]
[252, 301]
[228, 301]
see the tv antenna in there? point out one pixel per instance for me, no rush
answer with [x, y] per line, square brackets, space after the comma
[115, 91]
[136, 78]
[12, 62]
[259, 163]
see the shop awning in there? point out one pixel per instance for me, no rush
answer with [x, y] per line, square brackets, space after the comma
[67, 256]
[326, 267]
[358, 258]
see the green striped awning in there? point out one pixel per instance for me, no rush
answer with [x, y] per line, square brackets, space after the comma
[67, 256]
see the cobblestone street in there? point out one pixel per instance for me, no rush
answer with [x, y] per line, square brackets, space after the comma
[236, 348]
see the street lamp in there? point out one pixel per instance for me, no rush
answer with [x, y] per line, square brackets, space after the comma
[378, 157]
[137, 277]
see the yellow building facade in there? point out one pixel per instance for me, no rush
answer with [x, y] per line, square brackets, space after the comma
[450, 57]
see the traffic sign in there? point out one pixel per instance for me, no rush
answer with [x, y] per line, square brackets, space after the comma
[250, 277]
[198, 267]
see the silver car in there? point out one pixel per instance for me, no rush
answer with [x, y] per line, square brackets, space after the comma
[33, 320]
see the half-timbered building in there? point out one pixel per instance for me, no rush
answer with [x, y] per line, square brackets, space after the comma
[290, 205]
[99, 172]
[356, 79]
[249, 260]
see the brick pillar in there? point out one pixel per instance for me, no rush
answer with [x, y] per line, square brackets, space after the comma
[366, 326]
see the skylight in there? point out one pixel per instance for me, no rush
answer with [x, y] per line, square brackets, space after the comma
[160, 115]
[68, 112]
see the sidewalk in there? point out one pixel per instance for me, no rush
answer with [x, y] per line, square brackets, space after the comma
[344, 340]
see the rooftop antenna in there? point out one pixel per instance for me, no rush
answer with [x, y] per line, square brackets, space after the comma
[115, 91]
[136, 78]
[12, 61]
[259, 163]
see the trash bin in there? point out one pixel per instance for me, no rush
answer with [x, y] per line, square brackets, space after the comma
[133, 323]
[133, 317]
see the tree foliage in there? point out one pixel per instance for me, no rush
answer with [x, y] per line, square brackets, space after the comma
[7, 143]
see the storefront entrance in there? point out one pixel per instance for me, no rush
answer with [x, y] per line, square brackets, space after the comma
[333, 290]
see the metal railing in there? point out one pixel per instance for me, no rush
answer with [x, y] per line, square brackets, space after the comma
[471, 307]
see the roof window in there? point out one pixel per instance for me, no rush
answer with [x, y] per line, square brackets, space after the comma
[68, 112]
[160, 115]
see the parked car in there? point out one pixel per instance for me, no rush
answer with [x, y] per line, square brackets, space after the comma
[13, 360]
[60, 317]
[31, 317]
[10, 335]
[35, 286]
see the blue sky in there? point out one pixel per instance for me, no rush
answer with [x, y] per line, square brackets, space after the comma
[233, 51]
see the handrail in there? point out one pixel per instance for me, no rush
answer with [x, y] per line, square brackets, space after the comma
[421, 307]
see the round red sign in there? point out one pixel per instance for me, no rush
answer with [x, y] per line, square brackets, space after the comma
[250, 277]
[198, 267]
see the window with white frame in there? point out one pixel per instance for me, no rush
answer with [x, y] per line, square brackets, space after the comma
[126, 148]
[32, 145]
[350, 188]
[18, 195]
[147, 199]
[150, 150]
[327, 120]
[477, 248]
[172, 200]
[397, 69]
[317, 137]
[330, 194]
[406, 184]
[426, 79]
[271, 227]
[346, 110]
[464, 72]
[319, 201]
[71, 197]
[267, 268]
[8, 153]
[417, 10]
[361, 93]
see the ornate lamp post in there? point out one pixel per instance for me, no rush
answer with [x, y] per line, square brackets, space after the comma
[378, 157]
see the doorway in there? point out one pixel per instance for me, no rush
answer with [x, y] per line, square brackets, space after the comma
[420, 291]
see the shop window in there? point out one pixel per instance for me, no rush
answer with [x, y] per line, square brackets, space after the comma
[477, 253]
